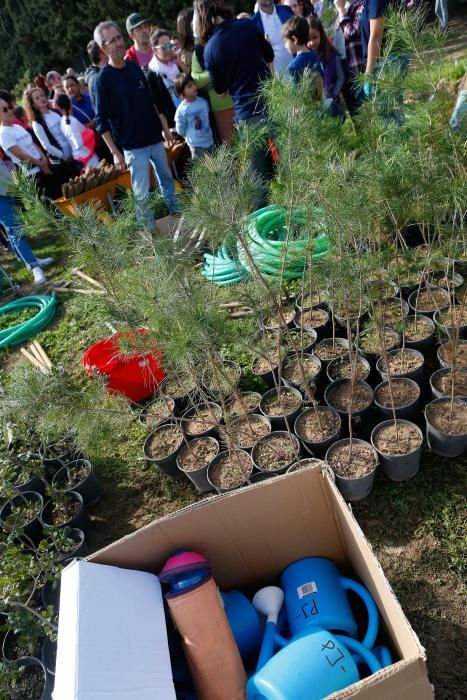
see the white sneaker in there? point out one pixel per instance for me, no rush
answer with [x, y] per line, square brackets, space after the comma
[43, 262]
[39, 276]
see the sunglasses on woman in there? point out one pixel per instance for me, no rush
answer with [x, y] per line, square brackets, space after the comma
[165, 47]
[4, 110]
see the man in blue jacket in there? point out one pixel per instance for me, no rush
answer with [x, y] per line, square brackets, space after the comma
[126, 115]
[269, 20]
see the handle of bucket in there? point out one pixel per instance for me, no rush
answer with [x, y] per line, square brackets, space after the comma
[368, 656]
[373, 618]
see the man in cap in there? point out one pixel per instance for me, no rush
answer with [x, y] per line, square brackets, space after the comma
[139, 31]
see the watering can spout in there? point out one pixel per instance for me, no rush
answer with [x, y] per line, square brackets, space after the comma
[268, 601]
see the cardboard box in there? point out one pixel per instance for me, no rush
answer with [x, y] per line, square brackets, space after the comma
[251, 535]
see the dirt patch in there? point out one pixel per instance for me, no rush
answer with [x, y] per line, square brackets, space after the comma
[313, 318]
[403, 393]
[417, 329]
[431, 300]
[370, 341]
[454, 354]
[341, 368]
[157, 411]
[287, 403]
[354, 463]
[399, 439]
[244, 402]
[443, 383]
[329, 350]
[203, 419]
[275, 452]
[231, 470]
[346, 398]
[197, 454]
[164, 442]
[447, 419]
[401, 363]
[246, 432]
[318, 425]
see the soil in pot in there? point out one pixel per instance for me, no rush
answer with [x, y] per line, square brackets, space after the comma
[430, 300]
[370, 341]
[345, 397]
[21, 514]
[29, 683]
[454, 354]
[230, 470]
[312, 318]
[446, 281]
[381, 289]
[392, 310]
[328, 350]
[224, 380]
[301, 369]
[416, 328]
[352, 464]
[246, 432]
[245, 402]
[14, 647]
[203, 419]
[276, 452]
[317, 428]
[165, 442]
[282, 405]
[197, 454]
[63, 511]
[157, 411]
[401, 363]
[298, 339]
[261, 365]
[179, 386]
[275, 321]
[310, 299]
[447, 419]
[76, 475]
[403, 393]
[397, 440]
[341, 368]
[455, 317]
[443, 383]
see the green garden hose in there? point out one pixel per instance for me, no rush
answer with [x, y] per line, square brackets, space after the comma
[21, 332]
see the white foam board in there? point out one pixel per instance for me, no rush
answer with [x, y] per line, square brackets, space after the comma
[112, 638]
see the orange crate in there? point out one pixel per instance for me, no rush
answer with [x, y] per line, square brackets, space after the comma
[98, 195]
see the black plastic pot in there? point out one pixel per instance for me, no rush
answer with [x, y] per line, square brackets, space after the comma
[301, 321]
[49, 655]
[284, 434]
[50, 594]
[303, 304]
[414, 296]
[281, 422]
[294, 385]
[437, 393]
[328, 342]
[426, 344]
[31, 664]
[318, 448]
[89, 487]
[402, 306]
[305, 340]
[56, 455]
[371, 357]
[444, 444]
[35, 483]
[398, 467]
[265, 325]
[416, 374]
[80, 520]
[334, 364]
[168, 464]
[244, 394]
[452, 332]
[32, 530]
[220, 393]
[269, 376]
[307, 462]
[198, 477]
[340, 382]
[241, 482]
[209, 432]
[79, 552]
[406, 411]
[356, 488]
[439, 353]
[256, 417]
[144, 416]
[10, 636]
[182, 401]
[455, 280]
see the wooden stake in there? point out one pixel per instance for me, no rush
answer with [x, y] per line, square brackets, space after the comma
[91, 280]
[45, 358]
[33, 361]
[34, 351]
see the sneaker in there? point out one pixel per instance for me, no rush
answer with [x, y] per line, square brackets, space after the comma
[39, 276]
[43, 262]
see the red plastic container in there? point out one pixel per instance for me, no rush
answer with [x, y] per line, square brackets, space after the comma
[136, 377]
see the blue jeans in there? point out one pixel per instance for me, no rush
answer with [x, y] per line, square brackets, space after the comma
[19, 243]
[138, 160]
[441, 11]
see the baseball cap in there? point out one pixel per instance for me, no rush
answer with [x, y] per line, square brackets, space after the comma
[133, 21]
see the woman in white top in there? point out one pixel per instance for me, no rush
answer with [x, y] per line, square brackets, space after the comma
[80, 138]
[20, 147]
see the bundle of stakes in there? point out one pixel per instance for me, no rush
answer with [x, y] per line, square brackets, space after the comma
[89, 179]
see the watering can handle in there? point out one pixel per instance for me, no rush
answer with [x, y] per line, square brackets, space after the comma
[354, 645]
[373, 618]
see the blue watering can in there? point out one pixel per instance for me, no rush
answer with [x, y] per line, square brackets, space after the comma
[315, 594]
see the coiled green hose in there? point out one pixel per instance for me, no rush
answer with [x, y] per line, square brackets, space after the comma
[21, 332]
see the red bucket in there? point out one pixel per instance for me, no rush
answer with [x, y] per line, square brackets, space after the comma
[136, 377]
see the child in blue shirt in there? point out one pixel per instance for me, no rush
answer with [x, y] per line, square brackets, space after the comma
[192, 117]
[295, 33]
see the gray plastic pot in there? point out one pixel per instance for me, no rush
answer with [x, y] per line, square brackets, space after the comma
[398, 467]
[357, 488]
[339, 382]
[452, 332]
[316, 361]
[341, 342]
[268, 438]
[442, 362]
[426, 344]
[281, 422]
[414, 296]
[406, 411]
[214, 463]
[198, 477]
[436, 393]
[168, 464]
[416, 374]
[371, 357]
[334, 364]
[318, 448]
[440, 443]
[191, 412]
